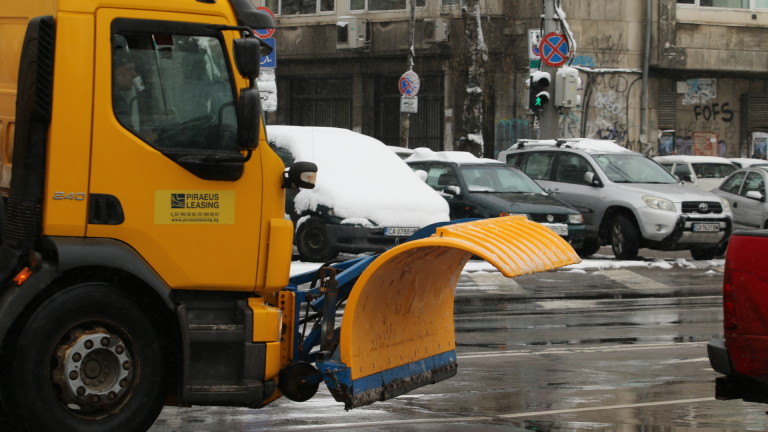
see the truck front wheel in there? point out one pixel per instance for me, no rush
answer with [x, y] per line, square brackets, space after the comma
[88, 359]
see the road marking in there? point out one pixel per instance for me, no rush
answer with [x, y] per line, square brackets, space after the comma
[362, 425]
[634, 280]
[574, 350]
[607, 407]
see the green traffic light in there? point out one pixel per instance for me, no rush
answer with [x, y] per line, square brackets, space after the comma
[538, 101]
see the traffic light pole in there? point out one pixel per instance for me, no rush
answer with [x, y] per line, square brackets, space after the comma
[548, 120]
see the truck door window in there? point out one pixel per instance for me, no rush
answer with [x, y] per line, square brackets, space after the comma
[733, 184]
[537, 165]
[754, 183]
[174, 91]
[571, 168]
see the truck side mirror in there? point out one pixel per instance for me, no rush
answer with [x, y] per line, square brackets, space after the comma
[301, 174]
[248, 119]
[247, 52]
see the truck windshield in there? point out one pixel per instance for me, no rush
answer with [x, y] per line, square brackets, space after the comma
[498, 178]
[174, 91]
[633, 168]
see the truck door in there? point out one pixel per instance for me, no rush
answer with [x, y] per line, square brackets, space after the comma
[167, 176]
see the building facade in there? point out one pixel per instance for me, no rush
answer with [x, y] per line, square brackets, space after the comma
[703, 91]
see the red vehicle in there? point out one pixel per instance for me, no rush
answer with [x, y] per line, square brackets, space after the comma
[743, 355]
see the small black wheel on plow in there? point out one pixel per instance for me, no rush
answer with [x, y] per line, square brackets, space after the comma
[299, 381]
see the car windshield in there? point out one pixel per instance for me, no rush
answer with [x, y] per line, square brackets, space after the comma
[713, 170]
[633, 168]
[498, 179]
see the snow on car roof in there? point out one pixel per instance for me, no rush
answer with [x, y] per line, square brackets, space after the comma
[459, 157]
[359, 177]
[693, 159]
[586, 144]
[746, 162]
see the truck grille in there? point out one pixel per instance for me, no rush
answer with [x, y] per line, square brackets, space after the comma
[702, 207]
[556, 218]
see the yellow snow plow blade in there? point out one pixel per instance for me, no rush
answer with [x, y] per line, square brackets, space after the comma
[397, 332]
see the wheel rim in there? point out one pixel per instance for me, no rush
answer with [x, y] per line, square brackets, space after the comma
[617, 238]
[94, 370]
[315, 239]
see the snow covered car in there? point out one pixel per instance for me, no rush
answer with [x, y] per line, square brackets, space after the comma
[366, 199]
[483, 188]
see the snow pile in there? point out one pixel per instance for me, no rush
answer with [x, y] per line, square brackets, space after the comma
[359, 178]
[459, 157]
[267, 90]
[586, 144]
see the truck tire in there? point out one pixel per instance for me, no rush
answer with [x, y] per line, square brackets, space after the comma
[625, 240]
[701, 253]
[313, 243]
[588, 248]
[87, 360]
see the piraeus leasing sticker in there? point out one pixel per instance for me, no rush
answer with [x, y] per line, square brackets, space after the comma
[194, 207]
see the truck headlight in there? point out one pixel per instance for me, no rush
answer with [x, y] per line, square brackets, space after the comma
[726, 205]
[575, 219]
[659, 203]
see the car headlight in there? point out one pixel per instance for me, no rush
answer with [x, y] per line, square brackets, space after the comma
[726, 205]
[575, 219]
[659, 203]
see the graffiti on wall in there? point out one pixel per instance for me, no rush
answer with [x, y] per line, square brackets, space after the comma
[611, 49]
[699, 91]
[508, 132]
[610, 102]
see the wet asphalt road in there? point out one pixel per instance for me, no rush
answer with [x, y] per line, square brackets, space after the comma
[597, 350]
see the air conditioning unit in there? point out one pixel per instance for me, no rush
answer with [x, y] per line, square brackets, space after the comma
[436, 30]
[353, 33]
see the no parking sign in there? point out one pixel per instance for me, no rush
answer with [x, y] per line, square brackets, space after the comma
[409, 84]
[554, 49]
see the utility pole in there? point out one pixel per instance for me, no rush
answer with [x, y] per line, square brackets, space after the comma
[548, 120]
[405, 118]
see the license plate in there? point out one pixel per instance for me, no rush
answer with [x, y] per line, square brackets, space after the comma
[705, 227]
[399, 231]
[559, 229]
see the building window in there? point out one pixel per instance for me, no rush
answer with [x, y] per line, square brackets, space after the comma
[300, 7]
[320, 102]
[452, 2]
[382, 5]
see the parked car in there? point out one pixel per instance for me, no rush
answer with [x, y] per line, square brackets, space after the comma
[748, 162]
[704, 172]
[483, 188]
[745, 192]
[628, 200]
[742, 356]
[366, 199]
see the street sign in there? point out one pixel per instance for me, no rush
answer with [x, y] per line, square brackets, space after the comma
[409, 84]
[409, 104]
[554, 49]
[534, 42]
[269, 60]
[265, 33]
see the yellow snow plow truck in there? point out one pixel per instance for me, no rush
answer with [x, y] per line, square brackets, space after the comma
[145, 257]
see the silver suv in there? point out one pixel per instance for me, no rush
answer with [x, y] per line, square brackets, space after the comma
[628, 200]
